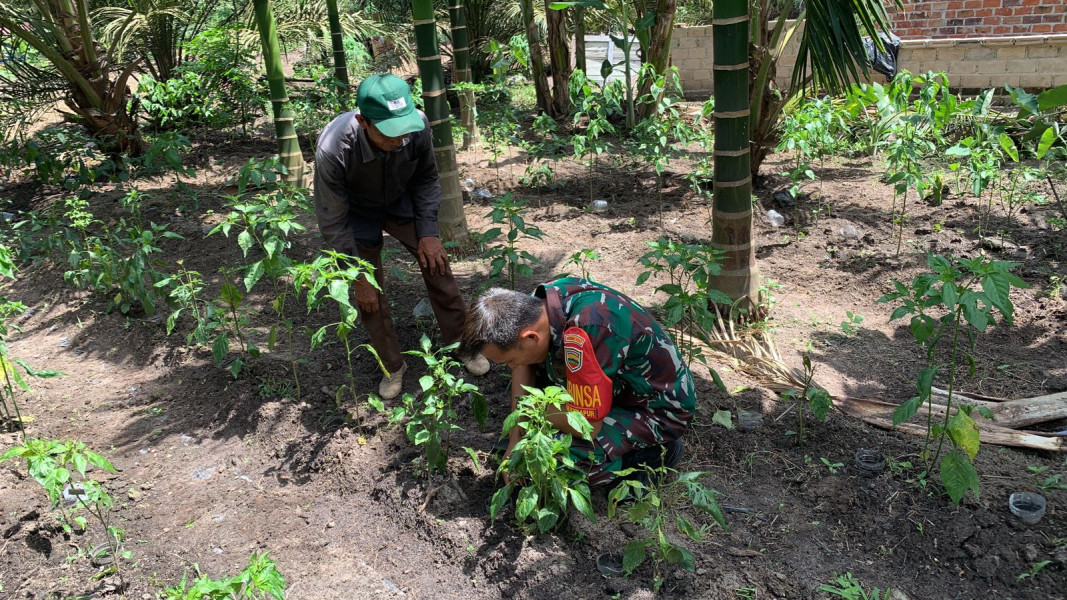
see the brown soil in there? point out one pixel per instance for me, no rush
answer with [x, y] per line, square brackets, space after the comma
[212, 469]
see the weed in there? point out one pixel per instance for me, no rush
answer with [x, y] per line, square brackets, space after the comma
[540, 472]
[851, 325]
[848, 588]
[430, 419]
[655, 502]
[260, 580]
[832, 466]
[1050, 482]
[1034, 570]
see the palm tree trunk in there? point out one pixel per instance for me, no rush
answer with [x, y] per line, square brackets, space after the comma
[658, 53]
[579, 39]
[560, 55]
[537, 65]
[340, 62]
[450, 217]
[288, 145]
[461, 72]
[732, 207]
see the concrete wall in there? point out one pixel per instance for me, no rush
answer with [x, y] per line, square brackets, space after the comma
[1035, 62]
[978, 18]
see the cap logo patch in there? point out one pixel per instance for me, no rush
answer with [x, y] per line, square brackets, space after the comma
[398, 104]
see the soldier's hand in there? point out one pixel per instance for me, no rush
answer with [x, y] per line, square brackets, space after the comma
[366, 296]
[432, 256]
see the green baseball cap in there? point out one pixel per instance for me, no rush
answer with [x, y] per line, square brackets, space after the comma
[386, 100]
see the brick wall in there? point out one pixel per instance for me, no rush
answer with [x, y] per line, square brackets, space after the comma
[978, 18]
[1034, 62]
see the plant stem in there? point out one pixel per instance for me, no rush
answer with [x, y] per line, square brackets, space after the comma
[951, 381]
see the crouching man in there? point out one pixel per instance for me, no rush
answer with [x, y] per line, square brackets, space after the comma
[624, 373]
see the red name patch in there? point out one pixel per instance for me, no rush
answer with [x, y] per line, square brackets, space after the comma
[587, 384]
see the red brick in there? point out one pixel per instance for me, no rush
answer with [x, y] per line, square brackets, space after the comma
[1031, 2]
[963, 14]
[1033, 19]
[991, 4]
[954, 5]
[1041, 28]
[1001, 29]
[984, 13]
[973, 3]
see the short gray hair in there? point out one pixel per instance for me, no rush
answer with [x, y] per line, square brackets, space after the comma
[497, 317]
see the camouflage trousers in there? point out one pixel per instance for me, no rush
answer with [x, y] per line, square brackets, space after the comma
[627, 429]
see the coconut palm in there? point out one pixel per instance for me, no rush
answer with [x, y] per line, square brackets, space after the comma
[288, 144]
[731, 225]
[831, 49]
[450, 217]
[51, 54]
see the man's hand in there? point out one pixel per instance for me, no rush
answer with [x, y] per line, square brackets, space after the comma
[366, 296]
[432, 256]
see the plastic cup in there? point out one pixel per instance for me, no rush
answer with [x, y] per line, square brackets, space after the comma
[1028, 506]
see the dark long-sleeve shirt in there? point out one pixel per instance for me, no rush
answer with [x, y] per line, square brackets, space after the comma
[357, 186]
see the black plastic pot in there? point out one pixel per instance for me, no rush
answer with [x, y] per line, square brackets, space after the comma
[869, 461]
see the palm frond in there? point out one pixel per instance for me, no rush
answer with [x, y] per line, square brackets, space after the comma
[831, 46]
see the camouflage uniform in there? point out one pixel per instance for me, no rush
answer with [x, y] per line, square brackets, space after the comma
[620, 366]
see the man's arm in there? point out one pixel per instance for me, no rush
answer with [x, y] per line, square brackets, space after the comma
[425, 185]
[331, 199]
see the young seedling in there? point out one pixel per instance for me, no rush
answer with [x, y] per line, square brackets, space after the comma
[335, 274]
[541, 473]
[506, 255]
[52, 463]
[817, 398]
[653, 498]
[581, 260]
[430, 418]
[960, 298]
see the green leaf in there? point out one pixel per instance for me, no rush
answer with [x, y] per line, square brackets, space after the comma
[633, 556]
[820, 402]
[1051, 99]
[426, 382]
[220, 348]
[906, 410]
[471, 452]
[958, 475]
[480, 408]
[254, 274]
[547, 518]
[1046, 141]
[964, 431]
[1008, 145]
[525, 503]
[686, 528]
[42, 373]
[236, 366]
[245, 241]
[339, 291]
[500, 498]
[724, 418]
[579, 423]
[580, 499]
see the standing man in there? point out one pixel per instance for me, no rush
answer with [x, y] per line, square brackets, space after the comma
[375, 172]
[623, 372]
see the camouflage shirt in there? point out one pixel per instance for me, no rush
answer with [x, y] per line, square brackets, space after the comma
[611, 354]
